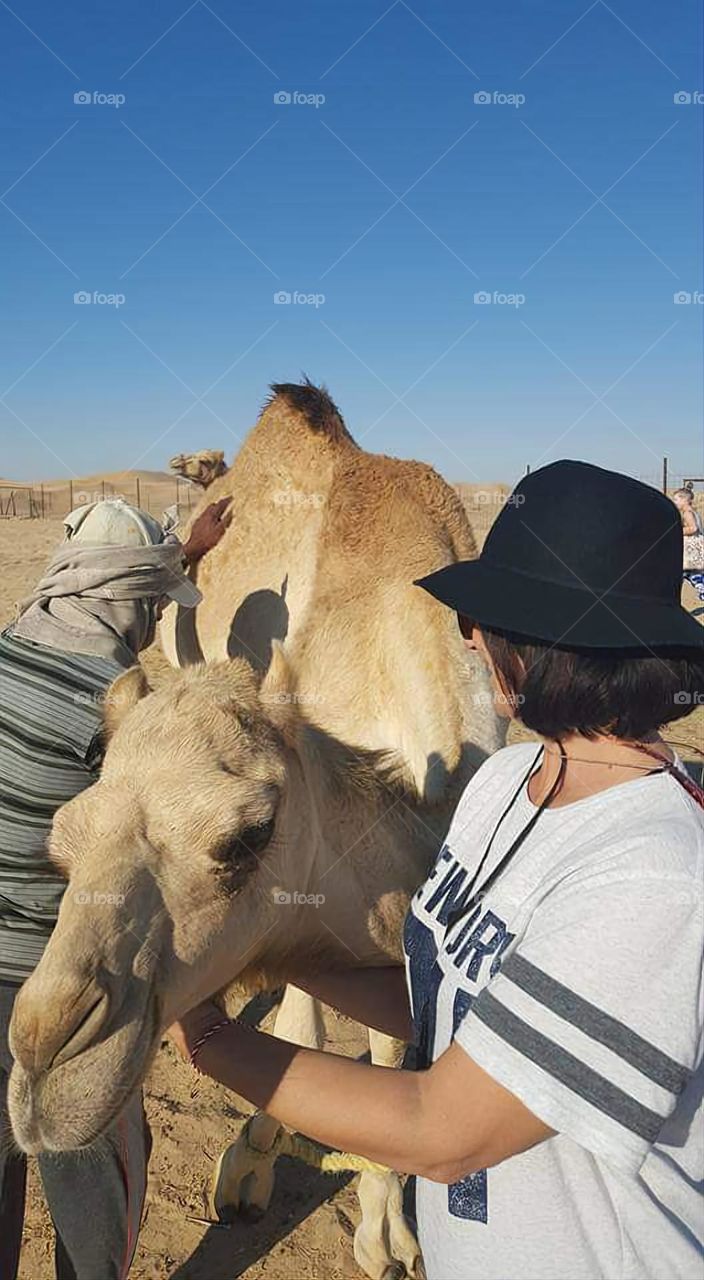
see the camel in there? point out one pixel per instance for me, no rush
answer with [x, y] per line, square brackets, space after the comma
[270, 808]
[201, 468]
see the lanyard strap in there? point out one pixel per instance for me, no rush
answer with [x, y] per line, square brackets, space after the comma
[475, 895]
[688, 784]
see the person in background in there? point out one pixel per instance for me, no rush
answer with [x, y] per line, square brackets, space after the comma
[91, 614]
[553, 980]
[693, 533]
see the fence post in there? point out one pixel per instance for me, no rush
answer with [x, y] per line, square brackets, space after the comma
[139, 503]
[43, 508]
[664, 475]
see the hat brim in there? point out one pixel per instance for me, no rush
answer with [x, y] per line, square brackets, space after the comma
[570, 617]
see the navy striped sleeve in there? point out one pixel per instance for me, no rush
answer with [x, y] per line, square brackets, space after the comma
[595, 1021]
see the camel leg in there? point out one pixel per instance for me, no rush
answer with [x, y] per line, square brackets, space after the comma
[384, 1244]
[239, 1182]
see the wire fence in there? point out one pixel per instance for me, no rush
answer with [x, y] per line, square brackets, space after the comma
[483, 504]
[157, 494]
[51, 501]
[16, 500]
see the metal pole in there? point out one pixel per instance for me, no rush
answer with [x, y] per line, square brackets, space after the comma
[138, 495]
[528, 469]
[102, 485]
[664, 475]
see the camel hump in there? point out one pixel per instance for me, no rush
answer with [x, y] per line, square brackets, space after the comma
[202, 468]
[397, 506]
[313, 404]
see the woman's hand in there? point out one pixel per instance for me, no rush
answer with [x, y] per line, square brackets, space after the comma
[188, 1030]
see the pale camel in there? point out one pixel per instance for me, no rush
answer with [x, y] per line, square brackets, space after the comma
[202, 468]
[268, 812]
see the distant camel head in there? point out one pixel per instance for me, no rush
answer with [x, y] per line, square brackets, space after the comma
[202, 468]
[171, 861]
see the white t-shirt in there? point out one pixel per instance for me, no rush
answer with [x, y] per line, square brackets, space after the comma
[577, 984]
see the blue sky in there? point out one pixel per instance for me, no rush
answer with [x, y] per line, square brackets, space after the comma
[390, 204]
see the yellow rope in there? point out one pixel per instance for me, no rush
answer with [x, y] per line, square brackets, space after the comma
[293, 1144]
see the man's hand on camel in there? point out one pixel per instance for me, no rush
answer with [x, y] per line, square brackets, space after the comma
[207, 530]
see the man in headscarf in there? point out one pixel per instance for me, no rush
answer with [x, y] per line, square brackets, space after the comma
[93, 611]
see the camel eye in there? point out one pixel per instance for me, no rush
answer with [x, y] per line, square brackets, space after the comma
[237, 860]
[246, 846]
[255, 839]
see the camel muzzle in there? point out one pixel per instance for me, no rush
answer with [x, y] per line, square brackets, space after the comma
[44, 1035]
[73, 1075]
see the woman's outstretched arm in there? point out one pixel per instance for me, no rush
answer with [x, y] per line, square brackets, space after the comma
[444, 1123]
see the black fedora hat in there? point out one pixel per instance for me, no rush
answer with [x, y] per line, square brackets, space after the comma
[578, 557]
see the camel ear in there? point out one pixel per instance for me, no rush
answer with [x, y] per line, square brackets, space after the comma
[277, 692]
[122, 697]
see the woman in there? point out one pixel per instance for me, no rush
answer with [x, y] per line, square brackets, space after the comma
[693, 531]
[554, 953]
[93, 611]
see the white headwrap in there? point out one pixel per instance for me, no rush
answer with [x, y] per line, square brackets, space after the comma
[102, 599]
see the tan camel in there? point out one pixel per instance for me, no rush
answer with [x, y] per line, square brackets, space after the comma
[273, 810]
[202, 468]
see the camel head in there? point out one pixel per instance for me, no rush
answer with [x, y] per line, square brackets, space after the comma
[201, 468]
[171, 864]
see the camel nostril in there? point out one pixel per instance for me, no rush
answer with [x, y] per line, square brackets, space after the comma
[84, 1033]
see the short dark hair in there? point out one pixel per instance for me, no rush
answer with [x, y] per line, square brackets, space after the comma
[557, 692]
